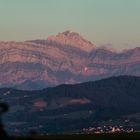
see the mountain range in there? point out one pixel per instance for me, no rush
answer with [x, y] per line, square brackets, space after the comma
[65, 58]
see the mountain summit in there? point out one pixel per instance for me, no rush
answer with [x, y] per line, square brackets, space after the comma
[74, 39]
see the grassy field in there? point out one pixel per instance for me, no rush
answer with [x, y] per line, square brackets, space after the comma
[111, 136]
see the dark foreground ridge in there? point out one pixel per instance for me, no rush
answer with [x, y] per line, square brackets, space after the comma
[117, 136]
[106, 105]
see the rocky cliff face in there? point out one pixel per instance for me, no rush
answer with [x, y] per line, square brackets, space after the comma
[64, 58]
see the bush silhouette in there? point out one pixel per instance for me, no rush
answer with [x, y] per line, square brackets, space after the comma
[3, 109]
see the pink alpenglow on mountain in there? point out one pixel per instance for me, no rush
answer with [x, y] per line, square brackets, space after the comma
[66, 58]
[73, 39]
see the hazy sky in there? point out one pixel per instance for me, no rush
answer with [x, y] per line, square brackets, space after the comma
[115, 22]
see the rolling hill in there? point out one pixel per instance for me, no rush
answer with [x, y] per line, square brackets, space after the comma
[70, 108]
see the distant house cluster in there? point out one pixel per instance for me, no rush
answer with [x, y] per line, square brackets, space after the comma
[107, 129]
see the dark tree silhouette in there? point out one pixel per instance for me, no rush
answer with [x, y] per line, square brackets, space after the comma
[3, 109]
[33, 132]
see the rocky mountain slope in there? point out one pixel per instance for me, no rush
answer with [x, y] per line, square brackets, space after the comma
[63, 58]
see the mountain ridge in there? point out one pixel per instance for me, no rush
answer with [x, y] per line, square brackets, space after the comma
[63, 58]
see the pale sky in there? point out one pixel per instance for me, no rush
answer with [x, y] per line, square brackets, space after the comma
[104, 22]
